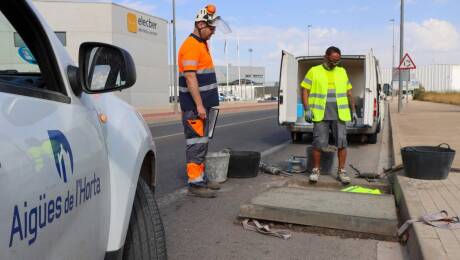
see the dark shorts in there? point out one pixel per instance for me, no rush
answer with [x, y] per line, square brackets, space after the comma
[321, 134]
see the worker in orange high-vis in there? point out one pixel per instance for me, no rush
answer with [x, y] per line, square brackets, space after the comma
[198, 93]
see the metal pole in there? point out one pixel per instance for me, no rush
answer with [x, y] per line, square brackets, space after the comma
[407, 89]
[250, 67]
[392, 57]
[308, 40]
[170, 58]
[175, 90]
[401, 53]
[239, 65]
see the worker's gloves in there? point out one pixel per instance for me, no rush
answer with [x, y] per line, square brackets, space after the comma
[308, 115]
[355, 118]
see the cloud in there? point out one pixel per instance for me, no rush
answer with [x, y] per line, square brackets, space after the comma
[433, 35]
[268, 41]
[139, 5]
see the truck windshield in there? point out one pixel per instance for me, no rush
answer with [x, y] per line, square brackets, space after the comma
[15, 56]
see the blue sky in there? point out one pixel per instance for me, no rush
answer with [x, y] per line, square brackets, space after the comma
[432, 28]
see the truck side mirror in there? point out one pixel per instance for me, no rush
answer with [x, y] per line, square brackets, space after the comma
[103, 68]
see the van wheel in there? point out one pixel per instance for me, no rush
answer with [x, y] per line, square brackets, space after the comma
[296, 137]
[379, 127]
[146, 237]
[372, 138]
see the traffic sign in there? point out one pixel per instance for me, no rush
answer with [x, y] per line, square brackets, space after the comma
[407, 63]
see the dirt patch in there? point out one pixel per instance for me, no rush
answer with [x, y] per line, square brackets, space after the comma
[452, 98]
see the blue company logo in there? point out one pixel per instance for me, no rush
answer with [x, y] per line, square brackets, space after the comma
[62, 154]
[26, 55]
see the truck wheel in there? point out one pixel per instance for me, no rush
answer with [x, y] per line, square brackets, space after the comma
[372, 138]
[146, 237]
[296, 137]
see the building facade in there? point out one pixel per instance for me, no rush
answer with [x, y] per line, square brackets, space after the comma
[433, 77]
[144, 36]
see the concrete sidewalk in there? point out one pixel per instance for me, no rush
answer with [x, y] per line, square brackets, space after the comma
[166, 113]
[424, 123]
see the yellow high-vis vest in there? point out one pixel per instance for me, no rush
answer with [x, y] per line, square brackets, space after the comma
[316, 81]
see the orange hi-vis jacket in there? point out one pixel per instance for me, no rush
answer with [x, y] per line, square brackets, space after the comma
[194, 56]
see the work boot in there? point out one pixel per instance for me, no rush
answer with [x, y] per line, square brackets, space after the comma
[342, 176]
[314, 176]
[213, 185]
[201, 191]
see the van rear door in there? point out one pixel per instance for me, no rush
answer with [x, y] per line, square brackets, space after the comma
[287, 102]
[370, 90]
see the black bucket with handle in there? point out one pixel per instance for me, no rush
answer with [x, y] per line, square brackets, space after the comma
[427, 162]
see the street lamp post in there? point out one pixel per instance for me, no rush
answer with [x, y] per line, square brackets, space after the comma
[174, 58]
[308, 39]
[392, 56]
[250, 66]
[401, 53]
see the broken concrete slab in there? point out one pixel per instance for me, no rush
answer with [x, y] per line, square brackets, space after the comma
[365, 213]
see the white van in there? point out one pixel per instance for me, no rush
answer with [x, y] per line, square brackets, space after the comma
[364, 74]
[77, 164]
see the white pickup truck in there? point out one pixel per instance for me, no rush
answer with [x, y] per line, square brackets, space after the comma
[77, 167]
[364, 74]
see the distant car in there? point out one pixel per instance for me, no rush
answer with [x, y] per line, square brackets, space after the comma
[387, 89]
[272, 98]
[229, 98]
[221, 97]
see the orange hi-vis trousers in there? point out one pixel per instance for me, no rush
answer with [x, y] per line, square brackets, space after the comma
[196, 139]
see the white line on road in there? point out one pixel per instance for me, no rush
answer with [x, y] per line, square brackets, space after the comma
[179, 193]
[226, 116]
[220, 126]
[274, 149]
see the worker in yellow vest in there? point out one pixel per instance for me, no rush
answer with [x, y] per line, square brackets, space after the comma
[329, 104]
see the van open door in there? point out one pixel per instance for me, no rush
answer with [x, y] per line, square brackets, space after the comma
[370, 91]
[287, 101]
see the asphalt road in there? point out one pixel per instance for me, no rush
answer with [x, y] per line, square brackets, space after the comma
[247, 131]
[208, 228]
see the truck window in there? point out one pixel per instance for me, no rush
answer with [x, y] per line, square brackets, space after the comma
[27, 63]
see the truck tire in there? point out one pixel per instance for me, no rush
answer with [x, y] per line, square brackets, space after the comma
[146, 237]
[296, 137]
[372, 138]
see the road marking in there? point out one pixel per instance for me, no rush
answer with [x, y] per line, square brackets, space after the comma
[226, 116]
[181, 192]
[220, 126]
[274, 149]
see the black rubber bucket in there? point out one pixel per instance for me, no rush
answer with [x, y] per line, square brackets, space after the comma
[427, 162]
[243, 164]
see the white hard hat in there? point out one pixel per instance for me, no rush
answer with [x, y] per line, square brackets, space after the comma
[208, 15]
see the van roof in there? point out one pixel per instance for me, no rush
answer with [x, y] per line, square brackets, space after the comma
[346, 57]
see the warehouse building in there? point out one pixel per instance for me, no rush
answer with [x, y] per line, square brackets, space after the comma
[144, 36]
[433, 77]
[254, 75]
